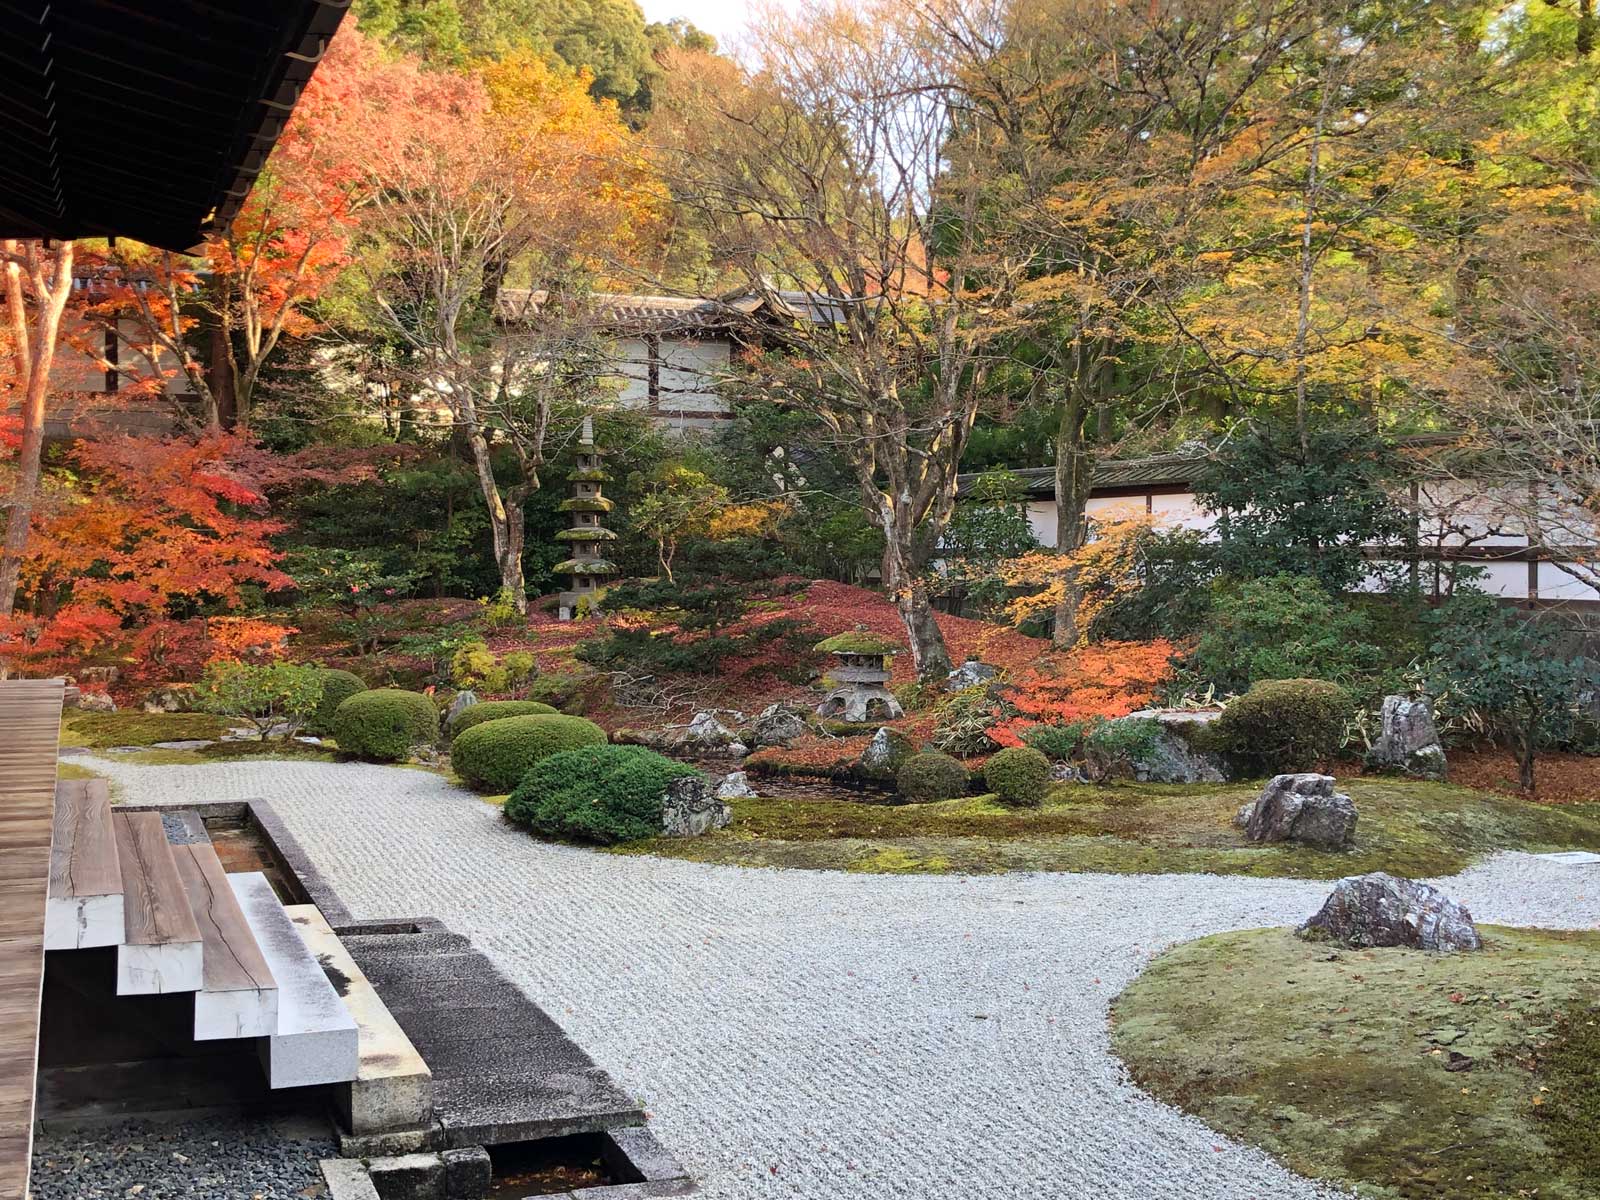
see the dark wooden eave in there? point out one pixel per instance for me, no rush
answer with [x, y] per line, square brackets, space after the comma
[146, 119]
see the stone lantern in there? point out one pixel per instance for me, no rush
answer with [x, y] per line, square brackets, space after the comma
[859, 692]
[588, 568]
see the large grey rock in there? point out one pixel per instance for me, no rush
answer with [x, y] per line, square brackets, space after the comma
[1383, 910]
[174, 697]
[1303, 808]
[777, 725]
[705, 734]
[735, 786]
[970, 674]
[887, 750]
[1409, 740]
[1172, 759]
[690, 808]
[463, 701]
[95, 702]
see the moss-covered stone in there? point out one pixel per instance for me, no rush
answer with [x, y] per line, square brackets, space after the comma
[859, 641]
[1413, 1074]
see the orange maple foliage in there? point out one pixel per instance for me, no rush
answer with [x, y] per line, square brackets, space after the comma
[150, 534]
[1102, 680]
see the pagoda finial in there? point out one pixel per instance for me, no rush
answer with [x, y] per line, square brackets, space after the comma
[586, 437]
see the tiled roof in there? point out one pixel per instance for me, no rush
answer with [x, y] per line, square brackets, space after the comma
[661, 314]
[1175, 468]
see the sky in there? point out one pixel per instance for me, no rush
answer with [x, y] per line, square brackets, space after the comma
[722, 19]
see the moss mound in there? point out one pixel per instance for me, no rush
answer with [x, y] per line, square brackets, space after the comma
[1020, 776]
[497, 710]
[101, 730]
[1418, 1075]
[931, 776]
[383, 724]
[337, 687]
[599, 794]
[494, 756]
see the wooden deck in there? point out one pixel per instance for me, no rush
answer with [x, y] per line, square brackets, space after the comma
[30, 731]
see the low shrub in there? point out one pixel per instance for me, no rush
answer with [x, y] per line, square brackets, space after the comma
[601, 794]
[384, 724]
[1285, 724]
[563, 691]
[932, 776]
[494, 756]
[1059, 743]
[272, 695]
[1113, 747]
[496, 710]
[1020, 776]
[962, 722]
[337, 687]
[474, 665]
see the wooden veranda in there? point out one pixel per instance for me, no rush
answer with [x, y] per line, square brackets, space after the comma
[30, 732]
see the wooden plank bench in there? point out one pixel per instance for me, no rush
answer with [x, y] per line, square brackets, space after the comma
[317, 1040]
[239, 997]
[84, 908]
[161, 949]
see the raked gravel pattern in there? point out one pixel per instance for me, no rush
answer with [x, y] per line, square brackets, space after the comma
[826, 1035]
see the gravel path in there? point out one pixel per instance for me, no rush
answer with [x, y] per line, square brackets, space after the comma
[825, 1035]
[209, 1160]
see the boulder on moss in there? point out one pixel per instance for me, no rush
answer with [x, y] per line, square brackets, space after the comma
[885, 754]
[1409, 740]
[691, 808]
[495, 710]
[1303, 808]
[1378, 909]
[493, 756]
[384, 724]
[778, 725]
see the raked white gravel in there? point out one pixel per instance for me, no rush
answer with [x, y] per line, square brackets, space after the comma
[823, 1035]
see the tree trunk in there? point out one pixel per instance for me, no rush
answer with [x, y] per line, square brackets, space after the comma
[219, 371]
[1529, 740]
[35, 353]
[910, 592]
[505, 520]
[1074, 463]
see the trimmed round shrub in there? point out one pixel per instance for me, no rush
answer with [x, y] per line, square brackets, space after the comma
[384, 723]
[932, 776]
[494, 756]
[496, 710]
[1020, 776]
[1282, 725]
[337, 687]
[601, 794]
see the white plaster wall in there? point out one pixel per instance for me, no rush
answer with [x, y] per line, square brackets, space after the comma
[1556, 584]
[690, 371]
[632, 379]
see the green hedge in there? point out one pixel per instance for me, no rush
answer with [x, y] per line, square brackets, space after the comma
[1020, 776]
[600, 794]
[932, 776]
[494, 756]
[1283, 725]
[497, 710]
[384, 724]
[337, 687]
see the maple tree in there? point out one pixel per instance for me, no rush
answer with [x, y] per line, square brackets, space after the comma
[1102, 680]
[1084, 581]
[148, 537]
[253, 283]
[38, 284]
[499, 198]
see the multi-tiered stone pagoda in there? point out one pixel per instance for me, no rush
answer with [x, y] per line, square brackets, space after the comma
[588, 568]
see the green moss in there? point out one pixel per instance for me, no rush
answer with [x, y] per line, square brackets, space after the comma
[859, 641]
[587, 533]
[1412, 828]
[68, 770]
[98, 731]
[585, 566]
[597, 504]
[894, 860]
[1336, 1063]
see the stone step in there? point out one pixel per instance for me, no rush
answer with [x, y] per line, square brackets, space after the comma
[239, 998]
[161, 950]
[393, 1087]
[84, 907]
[317, 1040]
